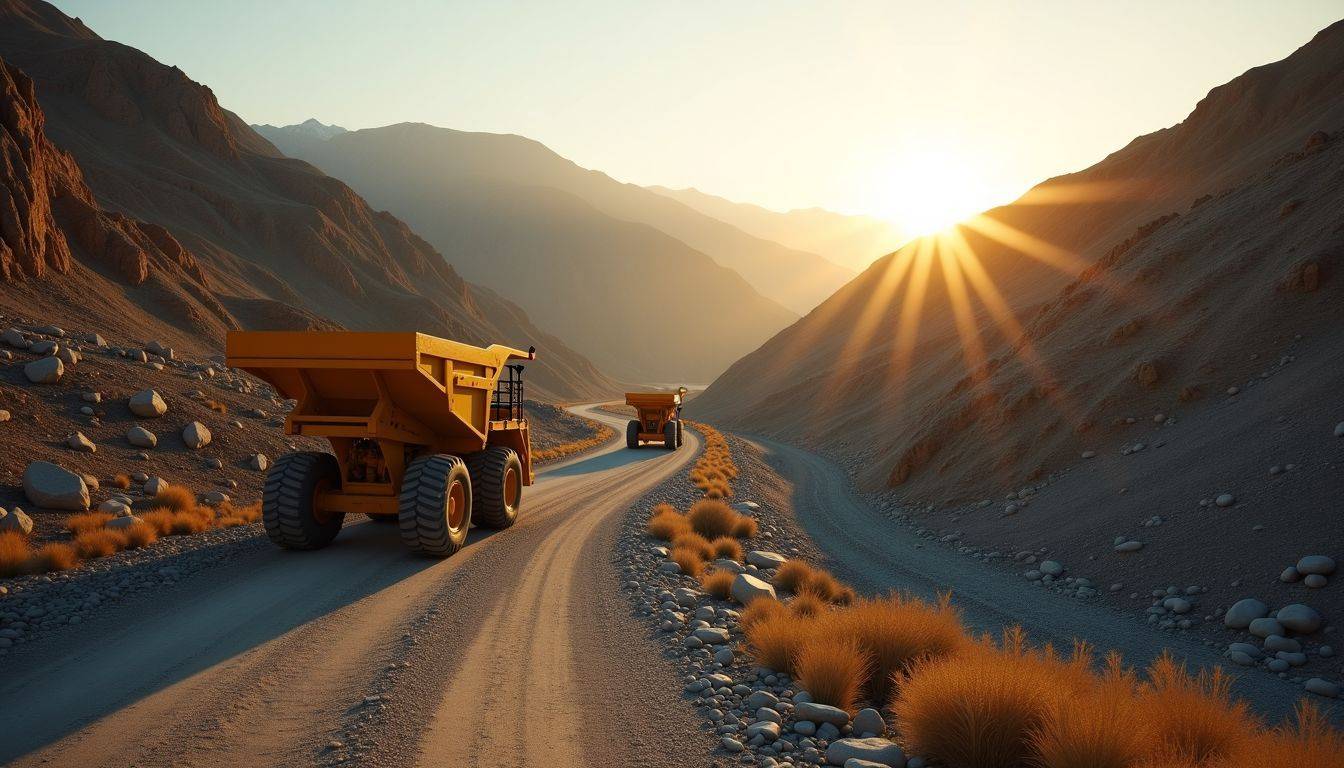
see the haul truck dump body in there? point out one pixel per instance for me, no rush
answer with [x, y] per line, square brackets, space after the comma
[659, 418]
[424, 432]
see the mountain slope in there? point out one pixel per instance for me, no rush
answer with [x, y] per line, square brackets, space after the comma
[913, 402]
[850, 241]
[640, 303]
[268, 241]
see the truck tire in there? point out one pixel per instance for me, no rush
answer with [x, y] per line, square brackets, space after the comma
[496, 486]
[434, 510]
[632, 434]
[670, 441]
[681, 436]
[287, 500]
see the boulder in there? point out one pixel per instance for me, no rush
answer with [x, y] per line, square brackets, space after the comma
[157, 348]
[121, 523]
[155, 486]
[47, 370]
[79, 442]
[196, 435]
[1299, 618]
[141, 437]
[1243, 612]
[147, 404]
[15, 338]
[1316, 564]
[1052, 568]
[115, 507]
[49, 486]
[869, 721]
[821, 713]
[259, 462]
[214, 498]
[711, 635]
[44, 348]
[1264, 627]
[873, 750]
[765, 560]
[747, 588]
[15, 520]
[68, 355]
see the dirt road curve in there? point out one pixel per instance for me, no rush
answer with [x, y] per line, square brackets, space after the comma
[517, 651]
[989, 597]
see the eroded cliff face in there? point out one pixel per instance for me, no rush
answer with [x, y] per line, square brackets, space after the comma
[48, 215]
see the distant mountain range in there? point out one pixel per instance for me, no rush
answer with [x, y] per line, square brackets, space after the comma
[310, 128]
[853, 242]
[144, 208]
[646, 287]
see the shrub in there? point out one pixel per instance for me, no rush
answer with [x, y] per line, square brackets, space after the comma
[54, 557]
[140, 535]
[666, 523]
[1195, 719]
[825, 586]
[229, 516]
[696, 543]
[980, 707]
[1104, 727]
[217, 406]
[1309, 743]
[745, 527]
[727, 547]
[15, 553]
[178, 498]
[718, 583]
[712, 518]
[121, 481]
[690, 561]
[86, 522]
[91, 545]
[791, 576]
[832, 671]
[807, 605]
[160, 520]
[186, 523]
[897, 633]
[776, 638]
[759, 610]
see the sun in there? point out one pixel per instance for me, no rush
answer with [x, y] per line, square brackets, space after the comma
[927, 189]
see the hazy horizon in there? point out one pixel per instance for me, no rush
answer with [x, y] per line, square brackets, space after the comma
[816, 108]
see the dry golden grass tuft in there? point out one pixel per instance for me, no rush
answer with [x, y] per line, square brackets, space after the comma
[981, 707]
[696, 543]
[1309, 743]
[712, 518]
[666, 523]
[692, 564]
[601, 434]
[1104, 727]
[792, 575]
[832, 670]
[727, 547]
[91, 545]
[1194, 716]
[53, 557]
[807, 605]
[86, 522]
[745, 527]
[714, 471]
[759, 610]
[15, 552]
[140, 535]
[717, 583]
[776, 637]
[827, 587]
[897, 633]
[217, 406]
[178, 498]
[121, 481]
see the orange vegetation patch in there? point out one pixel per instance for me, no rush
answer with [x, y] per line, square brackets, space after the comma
[217, 406]
[15, 553]
[90, 545]
[712, 518]
[798, 577]
[727, 547]
[667, 523]
[714, 471]
[601, 434]
[86, 522]
[717, 583]
[121, 481]
[692, 564]
[759, 610]
[53, 557]
[832, 670]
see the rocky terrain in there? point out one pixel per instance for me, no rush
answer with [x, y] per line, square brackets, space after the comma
[754, 715]
[132, 184]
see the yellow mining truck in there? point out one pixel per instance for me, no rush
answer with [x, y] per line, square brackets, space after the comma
[424, 432]
[659, 419]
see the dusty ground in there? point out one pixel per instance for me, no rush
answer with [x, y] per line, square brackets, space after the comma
[508, 653]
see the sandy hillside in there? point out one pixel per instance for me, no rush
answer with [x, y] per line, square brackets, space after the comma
[181, 222]
[1196, 351]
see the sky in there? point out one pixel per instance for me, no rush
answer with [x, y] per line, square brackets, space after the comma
[915, 112]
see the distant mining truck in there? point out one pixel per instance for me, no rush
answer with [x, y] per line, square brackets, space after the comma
[425, 433]
[659, 419]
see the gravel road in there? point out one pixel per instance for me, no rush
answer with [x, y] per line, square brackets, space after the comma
[990, 598]
[517, 651]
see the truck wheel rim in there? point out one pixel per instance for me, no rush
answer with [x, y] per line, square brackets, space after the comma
[511, 488]
[457, 505]
[320, 487]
